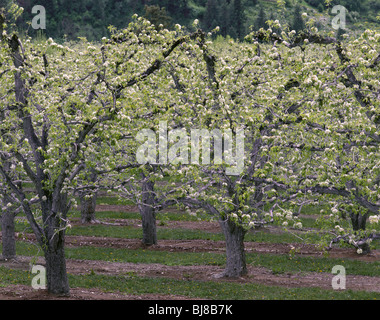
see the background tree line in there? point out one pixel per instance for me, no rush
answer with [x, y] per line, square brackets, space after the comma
[90, 18]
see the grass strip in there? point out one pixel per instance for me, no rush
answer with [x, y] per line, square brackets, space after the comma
[134, 285]
[130, 232]
[278, 263]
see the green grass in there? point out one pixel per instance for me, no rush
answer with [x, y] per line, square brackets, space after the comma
[278, 263]
[164, 216]
[285, 263]
[134, 285]
[130, 232]
[110, 200]
[212, 289]
[146, 256]
[308, 222]
[11, 276]
[109, 215]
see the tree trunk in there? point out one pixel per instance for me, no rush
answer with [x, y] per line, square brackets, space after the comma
[54, 211]
[88, 207]
[56, 274]
[148, 218]
[359, 222]
[8, 224]
[148, 213]
[53, 244]
[235, 254]
[8, 234]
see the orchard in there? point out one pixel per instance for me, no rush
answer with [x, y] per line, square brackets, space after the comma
[245, 134]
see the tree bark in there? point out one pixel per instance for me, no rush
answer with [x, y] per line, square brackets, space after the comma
[53, 244]
[148, 218]
[148, 213]
[8, 234]
[56, 274]
[235, 254]
[8, 225]
[359, 222]
[88, 207]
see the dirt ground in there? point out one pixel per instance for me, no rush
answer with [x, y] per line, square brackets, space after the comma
[258, 275]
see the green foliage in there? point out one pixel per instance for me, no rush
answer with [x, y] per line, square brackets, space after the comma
[315, 3]
[12, 12]
[261, 19]
[298, 23]
[238, 18]
[158, 16]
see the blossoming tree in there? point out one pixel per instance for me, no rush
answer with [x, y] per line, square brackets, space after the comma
[60, 102]
[339, 145]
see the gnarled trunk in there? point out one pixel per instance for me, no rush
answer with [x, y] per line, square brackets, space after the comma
[235, 254]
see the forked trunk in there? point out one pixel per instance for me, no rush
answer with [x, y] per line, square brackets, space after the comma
[235, 254]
